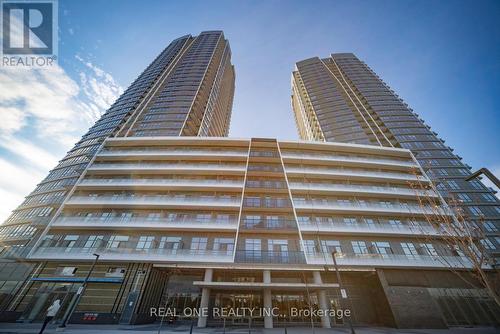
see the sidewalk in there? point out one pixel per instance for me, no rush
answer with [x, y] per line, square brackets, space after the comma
[169, 329]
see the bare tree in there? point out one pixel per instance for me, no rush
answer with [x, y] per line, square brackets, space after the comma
[461, 235]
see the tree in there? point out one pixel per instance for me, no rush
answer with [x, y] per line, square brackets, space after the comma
[461, 235]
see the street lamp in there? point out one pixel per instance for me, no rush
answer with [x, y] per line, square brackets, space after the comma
[78, 295]
[343, 292]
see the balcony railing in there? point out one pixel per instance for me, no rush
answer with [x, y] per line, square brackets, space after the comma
[14, 252]
[358, 188]
[394, 260]
[167, 166]
[359, 206]
[162, 182]
[145, 222]
[156, 151]
[133, 254]
[276, 257]
[268, 224]
[368, 228]
[154, 200]
[266, 203]
[347, 172]
[333, 157]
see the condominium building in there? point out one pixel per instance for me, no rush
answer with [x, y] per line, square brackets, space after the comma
[186, 91]
[247, 223]
[340, 99]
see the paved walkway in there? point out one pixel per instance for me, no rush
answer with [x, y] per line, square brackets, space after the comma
[169, 329]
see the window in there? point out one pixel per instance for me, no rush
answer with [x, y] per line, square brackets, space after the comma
[488, 244]
[117, 241]
[359, 247]
[69, 241]
[350, 221]
[310, 247]
[383, 248]
[489, 198]
[475, 210]
[330, 246]
[145, 242]
[452, 185]
[170, 243]
[94, 241]
[115, 272]
[253, 248]
[66, 271]
[428, 249]
[395, 223]
[490, 226]
[224, 245]
[476, 185]
[464, 198]
[409, 249]
[198, 244]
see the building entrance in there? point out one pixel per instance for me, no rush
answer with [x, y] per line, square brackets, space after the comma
[238, 306]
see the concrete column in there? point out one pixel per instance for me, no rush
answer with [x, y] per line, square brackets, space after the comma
[325, 319]
[268, 301]
[205, 297]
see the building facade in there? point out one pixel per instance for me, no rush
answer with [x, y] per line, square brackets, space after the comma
[341, 99]
[186, 91]
[216, 223]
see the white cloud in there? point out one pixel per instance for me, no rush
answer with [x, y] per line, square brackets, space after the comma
[44, 112]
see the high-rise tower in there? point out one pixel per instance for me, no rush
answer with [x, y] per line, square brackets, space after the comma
[341, 99]
[186, 91]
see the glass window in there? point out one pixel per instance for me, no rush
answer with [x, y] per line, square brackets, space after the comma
[409, 249]
[359, 247]
[428, 249]
[382, 247]
[199, 244]
[117, 241]
[145, 242]
[330, 246]
[94, 241]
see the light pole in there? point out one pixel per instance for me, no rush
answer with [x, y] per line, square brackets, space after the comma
[343, 293]
[78, 295]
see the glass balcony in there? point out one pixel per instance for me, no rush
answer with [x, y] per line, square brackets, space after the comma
[368, 228]
[277, 257]
[336, 187]
[266, 203]
[186, 152]
[348, 158]
[14, 252]
[365, 206]
[145, 222]
[158, 200]
[166, 166]
[354, 173]
[162, 182]
[268, 225]
[133, 254]
[389, 260]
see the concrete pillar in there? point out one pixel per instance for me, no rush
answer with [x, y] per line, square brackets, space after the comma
[205, 297]
[268, 301]
[325, 319]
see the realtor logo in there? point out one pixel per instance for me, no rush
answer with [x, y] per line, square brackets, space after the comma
[28, 28]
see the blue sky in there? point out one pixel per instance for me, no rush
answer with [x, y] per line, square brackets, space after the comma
[441, 57]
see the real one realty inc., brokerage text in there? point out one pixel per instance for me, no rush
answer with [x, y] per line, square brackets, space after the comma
[247, 312]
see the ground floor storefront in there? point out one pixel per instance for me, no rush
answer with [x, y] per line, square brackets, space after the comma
[141, 293]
